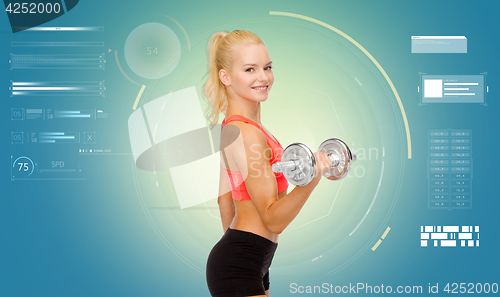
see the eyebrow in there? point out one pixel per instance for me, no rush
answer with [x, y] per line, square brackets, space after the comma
[256, 64]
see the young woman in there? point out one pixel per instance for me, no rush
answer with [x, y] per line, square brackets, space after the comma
[253, 200]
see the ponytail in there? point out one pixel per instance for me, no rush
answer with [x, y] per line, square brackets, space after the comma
[219, 54]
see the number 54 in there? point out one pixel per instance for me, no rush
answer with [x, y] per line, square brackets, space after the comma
[154, 51]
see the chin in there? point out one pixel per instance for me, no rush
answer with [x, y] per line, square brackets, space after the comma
[262, 99]
[254, 98]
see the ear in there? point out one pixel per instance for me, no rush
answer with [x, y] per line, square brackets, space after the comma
[224, 77]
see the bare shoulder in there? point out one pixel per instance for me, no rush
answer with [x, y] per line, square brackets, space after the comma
[242, 144]
[248, 134]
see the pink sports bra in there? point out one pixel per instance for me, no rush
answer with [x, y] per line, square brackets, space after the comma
[238, 188]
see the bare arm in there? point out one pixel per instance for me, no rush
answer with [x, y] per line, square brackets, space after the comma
[225, 200]
[261, 184]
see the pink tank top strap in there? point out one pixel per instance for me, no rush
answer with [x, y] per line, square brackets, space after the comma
[241, 118]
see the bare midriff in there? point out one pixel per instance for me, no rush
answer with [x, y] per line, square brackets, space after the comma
[247, 218]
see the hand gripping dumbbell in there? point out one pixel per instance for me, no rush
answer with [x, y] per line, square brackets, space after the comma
[299, 165]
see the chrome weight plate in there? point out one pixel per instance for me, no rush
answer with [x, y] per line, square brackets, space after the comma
[342, 153]
[301, 171]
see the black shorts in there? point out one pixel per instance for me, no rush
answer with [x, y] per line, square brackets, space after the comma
[238, 264]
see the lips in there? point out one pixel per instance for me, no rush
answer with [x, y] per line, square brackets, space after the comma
[261, 88]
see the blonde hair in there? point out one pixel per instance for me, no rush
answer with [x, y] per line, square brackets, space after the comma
[220, 52]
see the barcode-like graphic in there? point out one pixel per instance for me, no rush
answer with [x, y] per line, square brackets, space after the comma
[449, 236]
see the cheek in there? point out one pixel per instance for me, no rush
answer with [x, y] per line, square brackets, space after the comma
[247, 82]
[271, 78]
[243, 81]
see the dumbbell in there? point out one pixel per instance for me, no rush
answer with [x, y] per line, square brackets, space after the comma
[299, 165]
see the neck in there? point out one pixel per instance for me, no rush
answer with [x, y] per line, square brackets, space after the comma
[240, 106]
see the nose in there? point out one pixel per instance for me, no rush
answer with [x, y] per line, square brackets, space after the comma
[263, 76]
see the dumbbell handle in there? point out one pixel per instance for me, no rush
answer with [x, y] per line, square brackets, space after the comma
[292, 164]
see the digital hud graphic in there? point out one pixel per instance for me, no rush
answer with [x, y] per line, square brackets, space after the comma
[112, 171]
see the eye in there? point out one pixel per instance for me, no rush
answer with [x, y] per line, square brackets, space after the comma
[268, 68]
[249, 70]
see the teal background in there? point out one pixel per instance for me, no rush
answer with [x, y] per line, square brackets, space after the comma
[118, 234]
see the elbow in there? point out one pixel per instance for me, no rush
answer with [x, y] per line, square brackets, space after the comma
[272, 223]
[274, 228]
[278, 231]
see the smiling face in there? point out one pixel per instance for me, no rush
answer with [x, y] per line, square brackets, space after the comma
[250, 76]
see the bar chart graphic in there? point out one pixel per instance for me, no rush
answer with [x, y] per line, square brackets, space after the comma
[57, 88]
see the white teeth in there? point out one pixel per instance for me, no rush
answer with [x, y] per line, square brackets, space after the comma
[261, 88]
